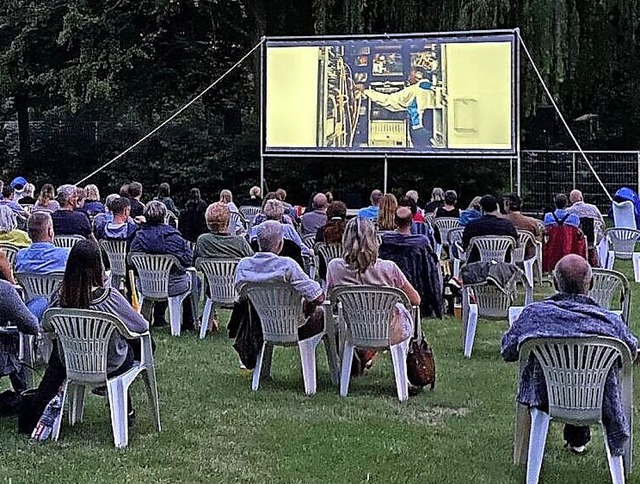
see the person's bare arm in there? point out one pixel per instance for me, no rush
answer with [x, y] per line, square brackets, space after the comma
[5, 268]
[412, 294]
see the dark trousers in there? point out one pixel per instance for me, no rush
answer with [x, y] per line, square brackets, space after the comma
[576, 436]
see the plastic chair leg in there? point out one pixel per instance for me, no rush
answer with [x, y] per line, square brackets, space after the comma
[603, 252]
[528, 270]
[521, 434]
[399, 358]
[175, 314]
[616, 465]
[332, 357]
[537, 441]
[345, 374]
[149, 377]
[456, 268]
[611, 258]
[471, 330]
[308, 359]
[118, 406]
[55, 431]
[208, 307]
[255, 383]
[76, 404]
[636, 266]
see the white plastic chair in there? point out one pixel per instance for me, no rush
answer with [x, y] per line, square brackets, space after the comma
[249, 213]
[171, 219]
[237, 224]
[622, 243]
[525, 238]
[67, 241]
[36, 285]
[153, 277]
[10, 251]
[624, 215]
[443, 225]
[327, 252]
[491, 303]
[279, 307]
[608, 284]
[84, 337]
[116, 251]
[220, 275]
[364, 316]
[585, 363]
[492, 247]
[456, 252]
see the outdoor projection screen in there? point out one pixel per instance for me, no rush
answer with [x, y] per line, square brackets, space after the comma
[436, 95]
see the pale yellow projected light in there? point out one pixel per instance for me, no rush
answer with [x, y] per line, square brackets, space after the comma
[292, 97]
[478, 80]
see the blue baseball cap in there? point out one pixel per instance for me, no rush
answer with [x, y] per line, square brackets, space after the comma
[18, 183]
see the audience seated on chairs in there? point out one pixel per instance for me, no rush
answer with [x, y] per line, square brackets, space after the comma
[156, 237]
[255, 197]
[437, 200]
[313, 220]
[361, 265]
[513, 209]
[419, 226]
[192, 220]
[164, 196]
[449, 208]
[419, 214]
[561, 215]
[571, 313]
[9, 233]
[67, 220]
[416, 258]
[586, 210]
[371, 212]
[14, 312]
[46, 200]
[8, 194]
[387, 212]
[92, 204]
[289, 209]
[27, 195]
[268, 266]
[294, 247]
[217, 243]
[134, 192]
[473, 212]
[83, 287]
[261, 217]
[122, 226]
[107, 216]
[491, 223]
[41, 257]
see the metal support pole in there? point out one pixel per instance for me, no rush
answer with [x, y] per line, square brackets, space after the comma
[511, 175]
[386, 173]
[519, 174]
[573, 169]
[262, 175]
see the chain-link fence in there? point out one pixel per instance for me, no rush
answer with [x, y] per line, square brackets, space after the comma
[545, 173]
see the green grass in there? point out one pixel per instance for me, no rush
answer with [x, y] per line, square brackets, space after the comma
[215, 429]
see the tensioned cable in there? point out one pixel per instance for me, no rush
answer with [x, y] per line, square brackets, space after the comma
[174, 115]
[546, 89]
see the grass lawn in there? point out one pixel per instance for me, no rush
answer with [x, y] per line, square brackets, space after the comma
[215, 429]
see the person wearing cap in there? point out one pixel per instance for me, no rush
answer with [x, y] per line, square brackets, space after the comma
[18, 185]
[67, 220]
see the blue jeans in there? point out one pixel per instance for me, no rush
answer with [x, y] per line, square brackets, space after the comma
[38, 306]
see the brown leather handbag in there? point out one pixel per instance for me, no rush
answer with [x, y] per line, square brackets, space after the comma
[421, 365]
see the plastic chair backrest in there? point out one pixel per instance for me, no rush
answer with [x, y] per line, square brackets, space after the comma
[455, 235]
[10, 251]
[171, 219]
[220, 274]
[36, 285]
[84, 336]
[153, 273]
[328, 252]
[492, 302]
[428, 219]
[623, 241]
[367, 312]
[606, 285]
[525, 238]
[309, 240]
[624, 215]
[237, 223]
[279, 307]
[575, 371]
[67, 241]
[116, 251]
[443, 225]
[492, 247]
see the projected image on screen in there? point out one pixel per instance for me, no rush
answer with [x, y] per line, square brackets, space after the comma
[420, 96]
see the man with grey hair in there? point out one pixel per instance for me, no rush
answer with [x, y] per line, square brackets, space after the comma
[313, 220]
[268, 266]
[567, 314]
[371, 212]
[67, 220]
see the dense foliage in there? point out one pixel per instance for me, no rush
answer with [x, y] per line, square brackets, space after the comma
[81, 80]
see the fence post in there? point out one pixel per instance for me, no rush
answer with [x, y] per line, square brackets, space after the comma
[510, 175]
[573, 169]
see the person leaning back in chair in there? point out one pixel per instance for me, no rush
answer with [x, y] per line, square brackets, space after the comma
[567, 314]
